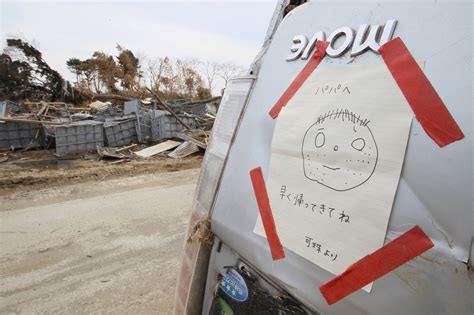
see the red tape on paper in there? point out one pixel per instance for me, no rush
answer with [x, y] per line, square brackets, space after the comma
[263, 202]
[371, 267]
[313, 62]
[428, 107]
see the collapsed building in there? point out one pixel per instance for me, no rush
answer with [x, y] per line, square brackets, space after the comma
[72, 130]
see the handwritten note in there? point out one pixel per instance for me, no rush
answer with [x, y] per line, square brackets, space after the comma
[337, 154]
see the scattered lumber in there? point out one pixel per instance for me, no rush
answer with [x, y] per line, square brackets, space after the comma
[106, 97]
[165, 106]
[128, 147]
[31, 121]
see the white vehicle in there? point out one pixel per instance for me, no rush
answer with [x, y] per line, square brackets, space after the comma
[434, 190]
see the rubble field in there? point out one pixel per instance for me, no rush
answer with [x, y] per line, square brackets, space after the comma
[39, 169]
[45, 144]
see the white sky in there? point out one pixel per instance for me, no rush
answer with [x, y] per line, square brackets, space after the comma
[212, 30]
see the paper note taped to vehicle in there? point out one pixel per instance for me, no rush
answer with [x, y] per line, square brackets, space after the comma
[337, 154]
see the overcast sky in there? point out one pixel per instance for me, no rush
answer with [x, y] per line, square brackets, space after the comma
[211, 30]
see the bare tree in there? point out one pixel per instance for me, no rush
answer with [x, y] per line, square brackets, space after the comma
[154, 68]
[228, 70]
[189, 79]
[210, 70]
[141, 80]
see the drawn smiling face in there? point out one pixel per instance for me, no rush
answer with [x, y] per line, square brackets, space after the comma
[339, 151]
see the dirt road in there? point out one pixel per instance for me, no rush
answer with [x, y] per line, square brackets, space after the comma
[99, 247]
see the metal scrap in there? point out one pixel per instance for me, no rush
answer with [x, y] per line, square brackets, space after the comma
[198, 137]
[183, 150]
[111, 153]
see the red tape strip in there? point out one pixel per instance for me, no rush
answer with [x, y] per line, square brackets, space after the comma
[263, 202]
[428, 107]
[313, 62]
[371, 267]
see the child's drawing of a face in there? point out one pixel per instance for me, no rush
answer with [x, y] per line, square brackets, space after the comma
[339, 151]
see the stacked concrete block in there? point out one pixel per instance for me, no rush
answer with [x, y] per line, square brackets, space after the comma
[79, 137]
[120, 132]
[3, 108]
[19, 135]
[143, 127]
[166, 126]
[131, 107]
[156, 116]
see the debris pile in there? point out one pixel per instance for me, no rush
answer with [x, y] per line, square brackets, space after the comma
[112, 131]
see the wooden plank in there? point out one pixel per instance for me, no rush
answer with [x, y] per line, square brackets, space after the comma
[185, 137]
[161, 147]
[30, 121]
[79, 109]
[126, 148]
[43, 102]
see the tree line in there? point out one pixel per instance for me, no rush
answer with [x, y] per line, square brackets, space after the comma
[24, 74]
[128, 75]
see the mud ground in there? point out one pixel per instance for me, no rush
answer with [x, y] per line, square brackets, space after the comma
[34, 170]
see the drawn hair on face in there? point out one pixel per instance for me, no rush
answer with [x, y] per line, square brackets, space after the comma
[344, 115]
[339, 150]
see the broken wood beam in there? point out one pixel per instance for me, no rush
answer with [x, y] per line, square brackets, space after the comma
[126, 148]
[209, 100]
[185, 137]
[80, 109]
[111, 97]
[185, 125]
[31, 121]
[43, 102]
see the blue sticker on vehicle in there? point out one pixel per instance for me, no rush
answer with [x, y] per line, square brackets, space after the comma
[234, 286]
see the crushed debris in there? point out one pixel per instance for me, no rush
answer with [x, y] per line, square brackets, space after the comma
[100, 107]
[72, 129]
[112, 153]
[202, 232]
[199, 137]
[41, 139]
